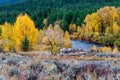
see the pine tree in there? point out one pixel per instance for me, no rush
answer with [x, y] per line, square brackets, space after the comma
[25, 44]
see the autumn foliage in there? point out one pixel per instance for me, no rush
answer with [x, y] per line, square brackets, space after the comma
[25, 27]
[7, 37]
[24, 36]
[53, 39]
[101, 27]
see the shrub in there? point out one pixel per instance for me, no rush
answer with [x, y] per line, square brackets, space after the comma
[115, 50]
[117, 43]
[108, 40]
[106, 49]
[13, 71]
[94, 48]
[55, 50]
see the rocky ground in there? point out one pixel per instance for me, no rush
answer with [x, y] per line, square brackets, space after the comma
[77, 65]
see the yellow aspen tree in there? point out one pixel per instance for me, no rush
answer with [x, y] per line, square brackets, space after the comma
[6, 31]
[66, 41]
[7, 37]
[66, 35]
[108, 16]
[79, 29]
[93, 23]
[54, 36]
[25, 27]
[116, 29]
[72, 27]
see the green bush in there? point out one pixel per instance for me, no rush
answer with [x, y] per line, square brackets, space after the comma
[117, 43]
[108, 40]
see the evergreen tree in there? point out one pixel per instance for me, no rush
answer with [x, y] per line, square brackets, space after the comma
[25, 44]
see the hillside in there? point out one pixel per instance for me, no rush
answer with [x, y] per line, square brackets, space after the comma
[4, 2]
[68, 11]
[59, 39]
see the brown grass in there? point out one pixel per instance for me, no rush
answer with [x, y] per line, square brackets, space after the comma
[42, 56]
